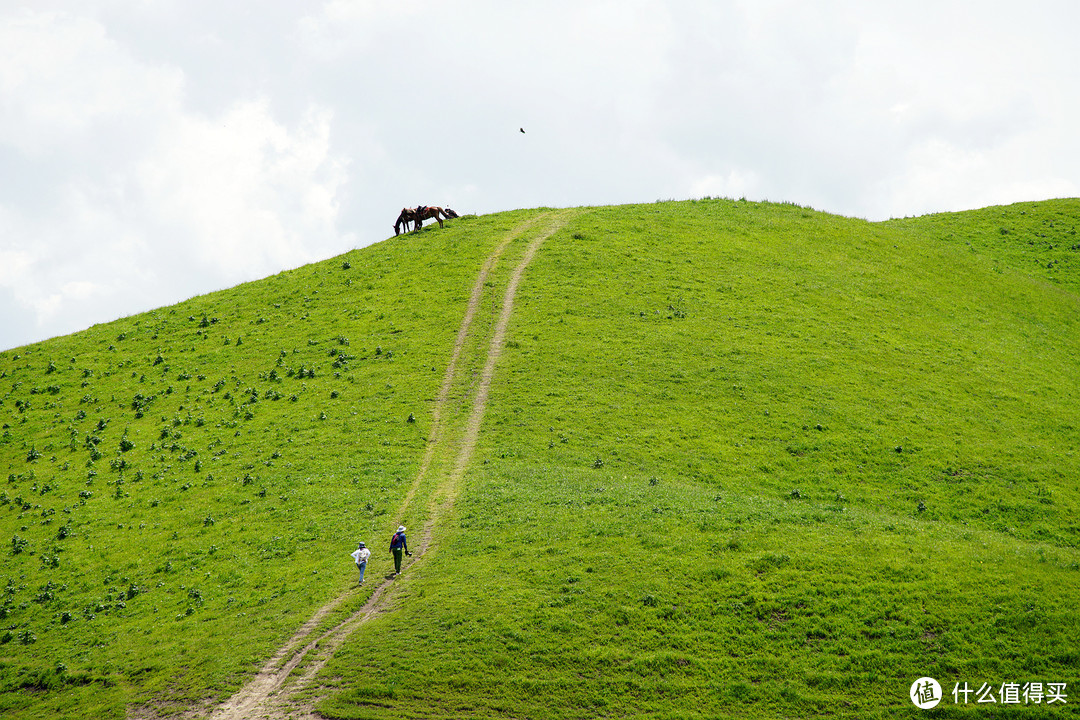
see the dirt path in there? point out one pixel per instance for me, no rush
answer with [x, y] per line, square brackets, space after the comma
[270, 694]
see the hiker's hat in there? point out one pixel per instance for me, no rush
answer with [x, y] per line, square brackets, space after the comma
[401, 528]
[360, 545]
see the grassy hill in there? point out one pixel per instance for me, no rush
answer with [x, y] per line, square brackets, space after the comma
[738, 459]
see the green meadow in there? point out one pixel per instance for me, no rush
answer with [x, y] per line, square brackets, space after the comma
[738, 460]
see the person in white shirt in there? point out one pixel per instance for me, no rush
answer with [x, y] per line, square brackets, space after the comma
[360, 555]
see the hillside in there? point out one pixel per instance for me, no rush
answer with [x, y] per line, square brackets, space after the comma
[729, 459]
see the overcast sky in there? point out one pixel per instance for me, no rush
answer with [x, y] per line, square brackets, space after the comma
[153, 150]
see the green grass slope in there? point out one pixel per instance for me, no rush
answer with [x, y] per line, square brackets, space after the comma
[738, 460]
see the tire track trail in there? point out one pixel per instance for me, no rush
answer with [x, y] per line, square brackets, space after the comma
[270, 694]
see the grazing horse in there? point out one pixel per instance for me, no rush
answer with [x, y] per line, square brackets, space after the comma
[418, 214]
[408, 215]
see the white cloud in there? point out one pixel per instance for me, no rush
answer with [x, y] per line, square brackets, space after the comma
[941, 176]
[52, 266]
[146, 201]
[13, 262]
[61, 77]
[246, 194]
[341, 27]
[736, 184]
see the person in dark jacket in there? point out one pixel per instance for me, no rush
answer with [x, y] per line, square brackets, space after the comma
[398, 547]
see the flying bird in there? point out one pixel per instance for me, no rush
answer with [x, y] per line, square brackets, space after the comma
[522, 130]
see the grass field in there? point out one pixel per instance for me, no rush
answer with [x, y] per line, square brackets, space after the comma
[738, 460]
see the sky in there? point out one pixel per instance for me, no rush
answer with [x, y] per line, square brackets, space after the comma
[155, 150]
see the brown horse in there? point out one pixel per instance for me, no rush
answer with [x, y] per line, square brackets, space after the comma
[427, 212]
[408, 215]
